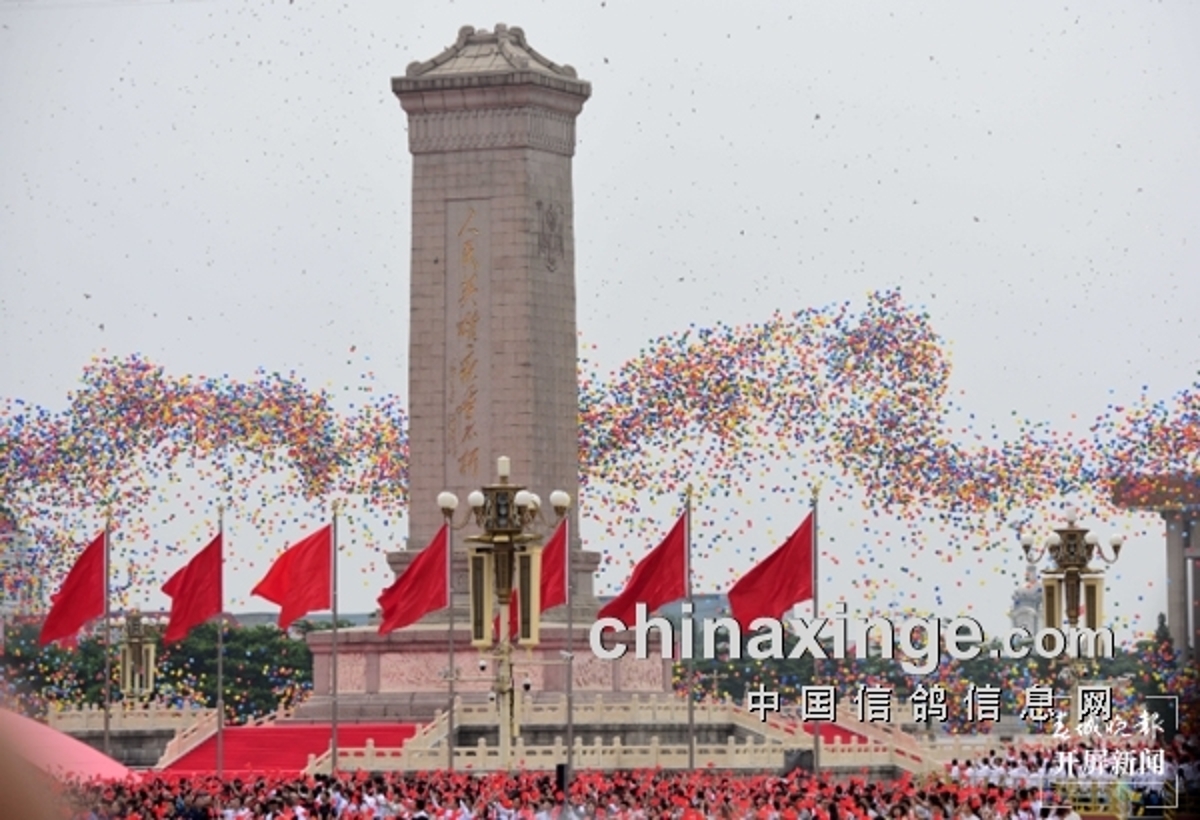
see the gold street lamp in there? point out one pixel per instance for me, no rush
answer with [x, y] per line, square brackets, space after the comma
[1072, 548]
[502, 560]
[137, 661]
[1072, 581]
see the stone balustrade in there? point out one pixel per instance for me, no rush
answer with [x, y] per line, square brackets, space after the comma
[123, 719]
[646, 709]
[432, 735]
[732, 755]
[189, 738]
[881, 744]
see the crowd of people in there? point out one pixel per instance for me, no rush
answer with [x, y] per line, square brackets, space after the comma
[1008, 783]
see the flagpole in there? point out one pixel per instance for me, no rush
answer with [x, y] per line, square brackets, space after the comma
[107, 638]
[221, 657]
[816, 609]
[333, 599]
[450, 670]
[570, 665]
[691, 663]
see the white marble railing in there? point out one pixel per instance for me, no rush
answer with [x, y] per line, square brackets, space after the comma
[840, 755]
[971, 747]
[91, 718]
[271, 717]
[187, 739]
[732, 755]
[887, 733]
[882, 744]
[432, 734]
[647, 709]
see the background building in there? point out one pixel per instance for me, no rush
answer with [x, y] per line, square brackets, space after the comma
[1026, 611]
[21, 588]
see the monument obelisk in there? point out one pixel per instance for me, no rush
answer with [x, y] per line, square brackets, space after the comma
[492, 335]
[492, 364]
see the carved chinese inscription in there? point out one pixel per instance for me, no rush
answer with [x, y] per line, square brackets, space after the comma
[468, 254]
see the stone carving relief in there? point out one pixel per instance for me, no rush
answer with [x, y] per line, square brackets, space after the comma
[491, 128]
[425, 672]
[641, 675]
[593, 673]
[352, 672]
[551, 221]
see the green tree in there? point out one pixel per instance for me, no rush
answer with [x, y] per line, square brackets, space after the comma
[36, 676]
[264, 669]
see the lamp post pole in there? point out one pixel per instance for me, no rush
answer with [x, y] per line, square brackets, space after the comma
[504, 697]
[448, 502]
[507, 514]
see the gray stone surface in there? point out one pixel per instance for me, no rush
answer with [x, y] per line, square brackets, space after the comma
[492, 366]
[493, 358]
[503, 50]
[136, 748]
[1181, 533]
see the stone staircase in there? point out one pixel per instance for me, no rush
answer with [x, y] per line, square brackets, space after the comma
[188, 738]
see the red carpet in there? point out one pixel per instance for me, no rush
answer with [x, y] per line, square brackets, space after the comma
[284, 748]
[832, 731]
[829, 731]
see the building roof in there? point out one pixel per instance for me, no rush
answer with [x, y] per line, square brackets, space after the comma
[479, 51]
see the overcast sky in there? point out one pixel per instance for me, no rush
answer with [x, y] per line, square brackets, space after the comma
[224, 186]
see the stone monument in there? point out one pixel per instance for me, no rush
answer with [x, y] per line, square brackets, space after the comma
[1026, 612]
[493, 360]
[492, 347]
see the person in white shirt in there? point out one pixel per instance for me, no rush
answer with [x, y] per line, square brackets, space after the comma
[371, 801]
[236, 810]
[1012, 780]
[993, 774]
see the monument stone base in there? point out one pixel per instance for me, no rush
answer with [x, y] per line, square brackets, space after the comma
[402, 676]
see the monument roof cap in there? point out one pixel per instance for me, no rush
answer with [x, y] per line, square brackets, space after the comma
[503, 50]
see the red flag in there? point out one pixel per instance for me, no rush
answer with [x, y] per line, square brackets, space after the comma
[196, 591]
[779, 581]
[301, 580]
[514, 618]
[659, 578]
[554, 569]
[423, 588]
[80, 598]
